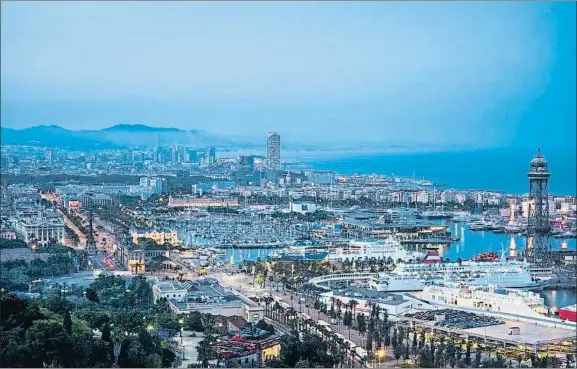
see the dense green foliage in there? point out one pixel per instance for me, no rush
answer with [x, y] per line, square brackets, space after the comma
[114, 292]
[17, 274]
[53, 332]
[13, 244]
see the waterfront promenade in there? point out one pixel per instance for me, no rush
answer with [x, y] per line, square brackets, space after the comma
[538, 332]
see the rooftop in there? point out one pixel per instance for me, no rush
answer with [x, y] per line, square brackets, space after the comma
[368, 294]
[530, 333]
[170, 286]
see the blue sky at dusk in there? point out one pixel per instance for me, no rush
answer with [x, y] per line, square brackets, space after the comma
[471, 73]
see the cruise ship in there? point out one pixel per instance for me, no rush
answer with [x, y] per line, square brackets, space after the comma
[382, 249]
[484, 298]
[407, 277]
[432, 263]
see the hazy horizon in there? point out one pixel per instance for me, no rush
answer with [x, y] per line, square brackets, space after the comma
[436, 73]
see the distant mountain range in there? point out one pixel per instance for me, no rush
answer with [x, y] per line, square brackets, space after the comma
[134, 135]
[121, 135]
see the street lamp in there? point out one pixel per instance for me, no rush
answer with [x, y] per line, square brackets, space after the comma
[116, 350]
[127, 293]
[381, 355]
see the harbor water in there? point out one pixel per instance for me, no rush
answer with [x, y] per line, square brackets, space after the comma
[470, 244]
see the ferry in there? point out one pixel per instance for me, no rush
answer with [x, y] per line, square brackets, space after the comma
[433, 263]
[484, 298]
[383, 249]
[407, 277]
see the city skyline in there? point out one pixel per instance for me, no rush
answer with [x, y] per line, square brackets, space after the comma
[393, 71]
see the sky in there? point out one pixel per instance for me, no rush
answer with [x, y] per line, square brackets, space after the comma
[475, 74]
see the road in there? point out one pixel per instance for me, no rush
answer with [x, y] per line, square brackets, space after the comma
[81, 236]
[243, 283]
[105, 241]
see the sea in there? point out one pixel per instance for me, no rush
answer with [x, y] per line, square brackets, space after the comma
[502, 170]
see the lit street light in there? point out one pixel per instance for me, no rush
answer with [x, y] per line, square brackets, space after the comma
[380, 355]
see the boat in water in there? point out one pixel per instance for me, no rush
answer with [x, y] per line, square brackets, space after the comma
[482, 225]
[483, 298]
[305, 250]
[408, 277]
[436, 214]
[461, 217]
[390, 247]
[304, 253]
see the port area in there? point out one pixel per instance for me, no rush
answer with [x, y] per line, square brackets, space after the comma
[528, 333]
[511, 337]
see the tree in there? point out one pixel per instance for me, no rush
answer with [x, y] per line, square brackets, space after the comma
[478, 356]
[208, 322]
[303, 364]
[353, 304]
[260, 279]
[369, 343]
[92, 295]
[128, 322]
[93, 315]
[361, 323]
[106, 332]
[206, 351]
[88, 351]
[67, 323]
[290, 350]
[48, 344]
[468, 353]
[193, 322]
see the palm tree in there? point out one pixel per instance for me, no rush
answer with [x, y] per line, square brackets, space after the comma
[339, 306]
[353, 304]
[267, 301]
[205, 350]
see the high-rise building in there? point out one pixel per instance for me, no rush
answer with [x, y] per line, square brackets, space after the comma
[156, 185]
[273, 151]
[190, 156]
[246, 163]
[48, 155]
[211, 153]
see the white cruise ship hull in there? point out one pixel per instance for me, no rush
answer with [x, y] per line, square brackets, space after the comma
[399, 283]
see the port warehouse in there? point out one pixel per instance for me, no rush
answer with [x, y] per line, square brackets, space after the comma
[513, 337]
